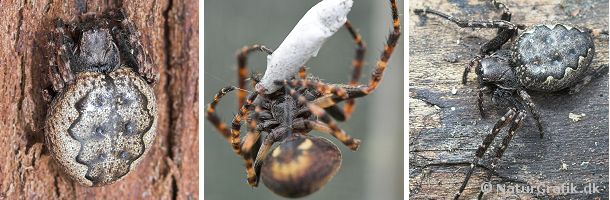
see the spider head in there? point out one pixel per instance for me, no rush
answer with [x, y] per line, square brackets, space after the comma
[300, 165]
[496, 69]
[97, 51]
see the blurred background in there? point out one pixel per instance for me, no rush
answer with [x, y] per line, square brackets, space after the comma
[375, 171]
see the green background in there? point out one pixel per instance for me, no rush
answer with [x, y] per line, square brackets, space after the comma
[375, 171]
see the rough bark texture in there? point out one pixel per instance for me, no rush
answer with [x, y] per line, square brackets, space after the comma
[446, 129]
[169, 30]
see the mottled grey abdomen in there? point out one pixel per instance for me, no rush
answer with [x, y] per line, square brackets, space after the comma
[552, 57]
[101, 126]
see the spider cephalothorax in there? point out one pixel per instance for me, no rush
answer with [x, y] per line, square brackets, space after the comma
[103, 116]
[546, 58]
[301, 164]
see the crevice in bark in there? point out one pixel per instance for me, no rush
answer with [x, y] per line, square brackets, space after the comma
[168, 69]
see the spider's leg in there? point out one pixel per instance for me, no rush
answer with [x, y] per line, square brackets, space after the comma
[482, 90]
[319, 112]
[508, 117]
[516, 124]
[532, 109]
[236, 123]
[504, 34]
[475, 62]
[60, 71]
[271, 138]
[242, 69]
[470, 23]
[250, 147]
[356, 66]
[214, 118]
[334, 94]
[387, 51]
[601, 70]
[128, 39]
[382, 63]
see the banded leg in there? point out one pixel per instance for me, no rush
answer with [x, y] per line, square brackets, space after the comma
[387, 52]
[250, 147]
[357, 63]
[480, 100]
[242, 69]
[334, 94]
[532, 109]
[508, 117]
[381, 65]
[319, 112]
[475, 62]
[60, 71]
[132, 50]
[220, 126]
[236, 123]
[516, 124]
[471, 23]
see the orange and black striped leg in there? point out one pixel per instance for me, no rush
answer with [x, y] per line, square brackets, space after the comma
[236, 123]
[319, 112]
[215, 119]
[242, 69]
[387, 51]
[508, 117]
[357, 63]
[377, 75]
[250, 147]
[516, 124]
[532, 109]
[334, 94]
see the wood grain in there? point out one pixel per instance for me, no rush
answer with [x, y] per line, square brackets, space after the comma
[446, 128]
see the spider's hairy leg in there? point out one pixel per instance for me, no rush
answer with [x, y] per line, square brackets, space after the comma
[505, 120]
[470, 23]
[128, 39]
[532, 109]
[250, 147]
[476, 63]
[387, 51]
[61, 63]
[319, 112]
[376, 76]
[242, 68]
[357, 63]
[273, 137]
[211, 115]
[516, 124]
[236, 123]
[333, 95]
[481, 91]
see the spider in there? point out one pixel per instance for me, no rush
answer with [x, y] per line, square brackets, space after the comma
[301, 164]
[546, 58]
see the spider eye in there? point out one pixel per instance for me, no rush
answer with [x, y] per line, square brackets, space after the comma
[300, 166]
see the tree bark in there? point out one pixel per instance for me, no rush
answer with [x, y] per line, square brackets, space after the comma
[169, 30]
[446, 128]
